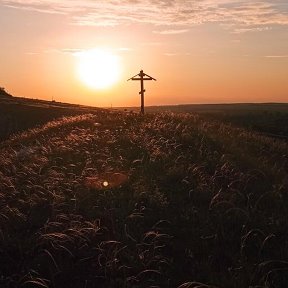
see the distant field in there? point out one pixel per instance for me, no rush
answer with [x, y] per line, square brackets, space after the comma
[270, 118]
[113, 199]
[271, 123]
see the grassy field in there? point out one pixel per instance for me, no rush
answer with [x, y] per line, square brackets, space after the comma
[112, 199]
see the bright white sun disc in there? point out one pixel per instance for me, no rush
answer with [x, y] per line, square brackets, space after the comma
[98, 69]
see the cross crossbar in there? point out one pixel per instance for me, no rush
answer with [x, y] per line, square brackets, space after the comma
[145, 79]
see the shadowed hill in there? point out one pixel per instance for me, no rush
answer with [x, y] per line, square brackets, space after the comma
[19, 114]
[4, 94]
[119, 200]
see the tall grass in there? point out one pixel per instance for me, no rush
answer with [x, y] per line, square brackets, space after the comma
[121, 200]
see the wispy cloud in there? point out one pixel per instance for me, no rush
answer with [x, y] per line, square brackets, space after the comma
[251, 29]
[32, 53]
[169, 54]
[171, 31]
[75, 51]
[70, 50]
[276, 56]
[124, 49]
[239, 14]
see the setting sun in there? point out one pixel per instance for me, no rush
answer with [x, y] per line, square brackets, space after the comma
[98, 69]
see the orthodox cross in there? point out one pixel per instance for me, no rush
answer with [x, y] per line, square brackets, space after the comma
[142, 77]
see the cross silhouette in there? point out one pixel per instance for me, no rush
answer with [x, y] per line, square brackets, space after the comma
[142, 77]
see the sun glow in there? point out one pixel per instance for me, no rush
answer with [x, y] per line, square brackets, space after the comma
[98, 69]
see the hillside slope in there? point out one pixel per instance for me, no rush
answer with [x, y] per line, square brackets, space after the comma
[120, 200]
[19, 114]
[4, 94]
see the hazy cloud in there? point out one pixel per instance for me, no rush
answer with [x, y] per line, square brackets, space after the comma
[239, 15]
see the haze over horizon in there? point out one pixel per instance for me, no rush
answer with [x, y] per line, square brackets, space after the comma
[204, 51]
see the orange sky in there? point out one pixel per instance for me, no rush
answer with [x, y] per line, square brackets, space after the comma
[199, 51]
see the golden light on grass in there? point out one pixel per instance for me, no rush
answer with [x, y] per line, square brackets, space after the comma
[105, 183]
[98, 68]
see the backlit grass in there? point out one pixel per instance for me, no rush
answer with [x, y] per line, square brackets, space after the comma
[120, 200]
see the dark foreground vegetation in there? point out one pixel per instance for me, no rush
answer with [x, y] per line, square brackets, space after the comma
[166, 200]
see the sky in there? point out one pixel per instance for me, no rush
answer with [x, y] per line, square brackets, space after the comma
[200, 51]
